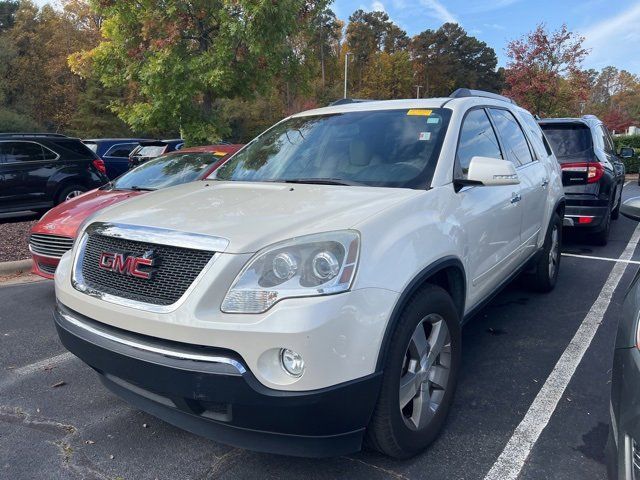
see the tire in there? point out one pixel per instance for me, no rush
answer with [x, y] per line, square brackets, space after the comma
[615, 213]
[547, 266]
[611, 456]
[601, 237]
[403, 432]
[69, 192]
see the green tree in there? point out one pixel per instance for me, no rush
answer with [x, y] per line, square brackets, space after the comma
[448, 58]
[177, 59]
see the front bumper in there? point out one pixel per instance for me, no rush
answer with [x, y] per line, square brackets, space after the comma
[625, 414]
[211, 392]
[44, 266]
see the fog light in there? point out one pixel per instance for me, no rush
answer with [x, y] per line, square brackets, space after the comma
[292, 362]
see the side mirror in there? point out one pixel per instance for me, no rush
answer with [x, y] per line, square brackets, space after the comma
[492, 171]
[627, 152]
[631, 208]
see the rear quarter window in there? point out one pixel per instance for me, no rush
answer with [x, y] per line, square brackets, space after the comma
[70, 149]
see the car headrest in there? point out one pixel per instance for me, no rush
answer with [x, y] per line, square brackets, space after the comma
[359, 153]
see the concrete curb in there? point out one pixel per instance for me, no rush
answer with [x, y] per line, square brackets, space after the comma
[11, 268]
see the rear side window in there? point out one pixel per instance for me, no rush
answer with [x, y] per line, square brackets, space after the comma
[13, 152]
[540, 143]
[608, 143]
[477, 138]
[93, 146]
[569, 141]
[512, 136]
[71, 149]
[121, 150]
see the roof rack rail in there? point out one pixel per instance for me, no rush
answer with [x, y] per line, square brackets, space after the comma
[57, 135]
[346, 101]
[590, 116]
[467, 92]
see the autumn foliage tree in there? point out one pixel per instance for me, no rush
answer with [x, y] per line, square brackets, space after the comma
[544, 72]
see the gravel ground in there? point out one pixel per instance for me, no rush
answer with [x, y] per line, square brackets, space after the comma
[14, 237]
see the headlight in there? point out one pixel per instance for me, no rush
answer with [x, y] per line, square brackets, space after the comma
[312, 265]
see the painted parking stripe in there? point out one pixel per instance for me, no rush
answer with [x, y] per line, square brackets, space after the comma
[18, 373]
[515, 453]
[627, 183]
[606, 259]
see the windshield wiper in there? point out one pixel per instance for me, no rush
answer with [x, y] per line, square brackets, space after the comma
[322, 181]
[135, 188]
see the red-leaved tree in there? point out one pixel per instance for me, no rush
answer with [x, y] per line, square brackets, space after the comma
[544, 72]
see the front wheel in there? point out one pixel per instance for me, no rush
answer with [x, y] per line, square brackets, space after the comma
[69, 192]
[420, 375]
[547, 266]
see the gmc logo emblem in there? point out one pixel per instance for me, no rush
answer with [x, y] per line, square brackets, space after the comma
[125, 264]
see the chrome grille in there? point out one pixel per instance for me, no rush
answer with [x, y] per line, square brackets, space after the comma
[177, 269]
[50, 245]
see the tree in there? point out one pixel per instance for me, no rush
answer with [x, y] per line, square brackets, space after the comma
[447, 58]
[8, 9]
[388, 76]
[369, 33]
[177, 61]
[543, 73]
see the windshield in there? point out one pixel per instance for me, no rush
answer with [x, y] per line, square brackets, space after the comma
[150, 151]
[389, 148]
[569, 140]
[165, 171]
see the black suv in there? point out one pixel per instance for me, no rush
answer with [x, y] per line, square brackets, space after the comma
[38, 171]
[592, 172]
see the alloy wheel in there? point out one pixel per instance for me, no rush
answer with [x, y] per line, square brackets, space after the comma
[72, 194]
[425, 371]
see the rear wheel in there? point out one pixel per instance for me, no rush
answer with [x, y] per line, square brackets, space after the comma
[545, 271]
[615, 213]
[420, 375]
[601, 237]
[69, 192]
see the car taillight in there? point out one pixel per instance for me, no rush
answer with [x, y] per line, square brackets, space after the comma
[99, 164]
[594, 170]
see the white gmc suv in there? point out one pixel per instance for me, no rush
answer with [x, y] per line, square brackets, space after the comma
[310, 294]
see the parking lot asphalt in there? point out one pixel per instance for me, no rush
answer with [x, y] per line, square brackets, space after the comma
[57, 421]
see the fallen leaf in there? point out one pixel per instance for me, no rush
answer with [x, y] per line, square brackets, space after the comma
[59, 384]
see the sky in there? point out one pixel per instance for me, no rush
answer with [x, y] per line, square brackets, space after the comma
[611, 27]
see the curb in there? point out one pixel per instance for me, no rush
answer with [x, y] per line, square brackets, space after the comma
[11, 268]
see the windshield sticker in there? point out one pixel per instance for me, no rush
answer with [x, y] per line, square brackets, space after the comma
[219, 154]
[424, 136]
[419, 112]
[433, 120]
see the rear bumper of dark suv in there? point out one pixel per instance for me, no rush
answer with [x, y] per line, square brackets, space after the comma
[211, 392]
[588, 217]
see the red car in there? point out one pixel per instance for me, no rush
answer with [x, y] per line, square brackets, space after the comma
[54, 234]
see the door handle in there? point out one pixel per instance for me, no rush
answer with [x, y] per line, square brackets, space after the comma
[545, 182]
[516, 198]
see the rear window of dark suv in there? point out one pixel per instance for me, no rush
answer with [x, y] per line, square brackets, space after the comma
[71, 149]
[569, 141]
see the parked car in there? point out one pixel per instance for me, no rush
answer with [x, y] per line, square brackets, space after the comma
[114, 152]
[151, 149]
[54, 234]
[623, 445]
[41, 170]
[312, 293]
[592, 173]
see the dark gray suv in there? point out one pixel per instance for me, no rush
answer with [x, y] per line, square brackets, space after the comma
[592, 173]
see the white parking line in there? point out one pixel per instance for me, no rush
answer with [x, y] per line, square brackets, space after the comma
[18, 373]
[590, 257]
[515, 453]
[627, 183]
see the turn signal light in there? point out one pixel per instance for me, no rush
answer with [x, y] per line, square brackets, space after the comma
[594, 170]
[99, 164]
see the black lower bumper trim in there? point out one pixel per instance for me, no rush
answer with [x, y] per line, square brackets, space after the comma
[231, 408]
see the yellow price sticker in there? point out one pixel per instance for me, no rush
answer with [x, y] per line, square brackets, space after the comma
[219, 154]
[420, 112]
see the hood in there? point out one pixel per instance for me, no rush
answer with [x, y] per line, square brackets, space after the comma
[253, 215]
[66, 218]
